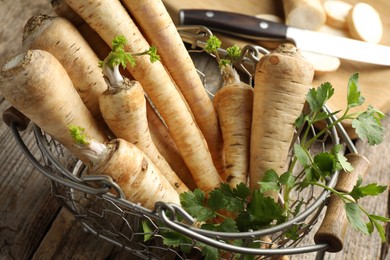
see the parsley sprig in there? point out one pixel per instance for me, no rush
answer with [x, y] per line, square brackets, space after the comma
[120, 57]
[317, 168]
[213, 45]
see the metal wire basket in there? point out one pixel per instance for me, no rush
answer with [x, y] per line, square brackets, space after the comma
[111, 217]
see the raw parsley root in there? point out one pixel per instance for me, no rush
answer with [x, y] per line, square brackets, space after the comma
[59, 37]
[161, 31]
[138, 178]
[123, 107]
[167, 147]
[103, 17]
[233, 104]
[36, 84]
[282, 80]
[248, 209]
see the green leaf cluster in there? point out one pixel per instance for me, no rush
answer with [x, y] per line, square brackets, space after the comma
[236, 210]
[78, 134]
[240, 209]
[356, 214]
[233, 53]
[119, 57]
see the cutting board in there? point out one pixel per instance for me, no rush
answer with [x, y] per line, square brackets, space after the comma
[374, 80]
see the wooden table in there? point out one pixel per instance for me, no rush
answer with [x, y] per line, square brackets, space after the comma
[34, 226]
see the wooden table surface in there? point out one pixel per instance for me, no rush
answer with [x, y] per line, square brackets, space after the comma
[34, 226]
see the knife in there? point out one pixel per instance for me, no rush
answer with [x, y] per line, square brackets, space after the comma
[254, 28]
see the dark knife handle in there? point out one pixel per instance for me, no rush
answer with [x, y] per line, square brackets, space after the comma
[234, 24]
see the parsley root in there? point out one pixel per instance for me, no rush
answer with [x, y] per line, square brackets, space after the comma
[36, 84]
[136, 175]
[161, 32]
[233, 104]
[59, 37]
[109, 19]
[123, 108]
[282, 81]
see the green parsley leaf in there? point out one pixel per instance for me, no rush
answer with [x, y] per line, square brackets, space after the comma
[355, 217]
[152, 52]
[292, 233]
[234, 199]
[301, 120]
[325, 162]
[368, 126]
[172, 238]
[228, 225]
[302, 155]
[224, 198]
[78, 134]
[148, 232]
[241, 191]
[217, 200]
[270, 181]
[224, 62]
[369, 190]
[354, 96]
[212, 44]
[288, 179]
[317, 98]
[261, 212]
[343, 162]
[210, 252]
[118, 42]
[374, 219]
[194, 204]
[380, 229]
[233, 52]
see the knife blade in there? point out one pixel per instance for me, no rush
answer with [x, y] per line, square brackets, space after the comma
[250, 27]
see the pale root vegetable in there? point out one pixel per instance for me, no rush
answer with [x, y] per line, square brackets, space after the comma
[322, 64]
[59, 37]
[36, 84]
[156, 23]
[305, 14]
[61, 8]
[337, 13]
[110, 19]
[139, 179]
[123, 107]
[233, 103]
[334, 31]
[365, 23]
[167, 147]
[282, 81]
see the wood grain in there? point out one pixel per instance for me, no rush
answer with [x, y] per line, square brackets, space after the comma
[34, 226]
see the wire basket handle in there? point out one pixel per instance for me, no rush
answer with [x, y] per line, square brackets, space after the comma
[13, 116]
[334, 224]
